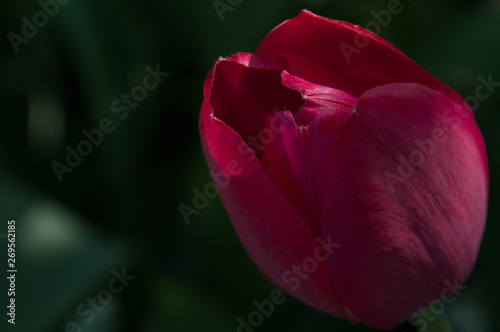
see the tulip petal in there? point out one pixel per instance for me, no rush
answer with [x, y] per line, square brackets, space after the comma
[298, 155]
[318, 99]
[242, 96]
[242, 58]
[273, 233]
[320, 50]
[403, 232]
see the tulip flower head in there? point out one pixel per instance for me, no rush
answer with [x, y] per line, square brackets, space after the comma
[357, 187]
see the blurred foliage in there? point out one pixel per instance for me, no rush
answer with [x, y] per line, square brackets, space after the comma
[119, 207]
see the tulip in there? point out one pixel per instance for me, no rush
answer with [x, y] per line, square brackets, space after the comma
[356, 181]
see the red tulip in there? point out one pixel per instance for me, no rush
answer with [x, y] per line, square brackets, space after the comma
[359, 187]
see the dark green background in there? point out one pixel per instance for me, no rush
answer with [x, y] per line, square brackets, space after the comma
[119, 207]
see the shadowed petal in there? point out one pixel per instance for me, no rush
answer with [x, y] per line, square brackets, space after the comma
[298, 157]
[242, 96]
[273, 233]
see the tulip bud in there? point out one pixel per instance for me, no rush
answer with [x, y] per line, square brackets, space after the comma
[375, 156]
